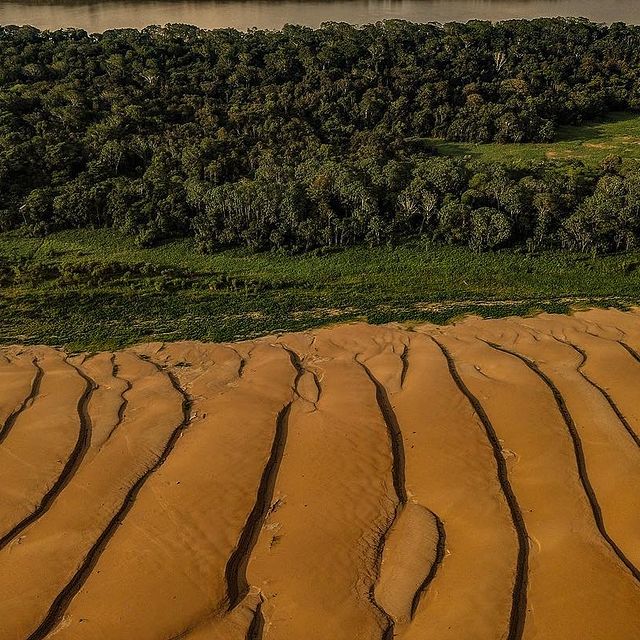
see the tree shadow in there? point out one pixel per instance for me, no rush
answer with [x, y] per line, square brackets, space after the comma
[595, 129]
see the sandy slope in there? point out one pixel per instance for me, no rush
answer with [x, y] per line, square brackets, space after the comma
[476, 481]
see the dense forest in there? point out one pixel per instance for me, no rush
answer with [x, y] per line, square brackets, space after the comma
[302, 138]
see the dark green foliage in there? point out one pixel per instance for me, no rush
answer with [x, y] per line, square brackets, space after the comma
[52, 273]
[303, 139]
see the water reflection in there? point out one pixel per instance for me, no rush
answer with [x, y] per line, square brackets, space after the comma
[273, 14]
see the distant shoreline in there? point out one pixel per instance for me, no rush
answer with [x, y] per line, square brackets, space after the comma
[98, 16]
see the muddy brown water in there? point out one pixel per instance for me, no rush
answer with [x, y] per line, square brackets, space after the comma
[273, 14]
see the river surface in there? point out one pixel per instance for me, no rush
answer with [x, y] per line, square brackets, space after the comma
[273, 14]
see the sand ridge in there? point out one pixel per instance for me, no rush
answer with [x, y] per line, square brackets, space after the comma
[475, 481]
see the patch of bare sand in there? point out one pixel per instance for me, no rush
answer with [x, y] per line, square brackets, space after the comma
[452, 470]
[20, 377]
[476, 481]
[89, 501]
[42, 441]
[566, 547]
[318, 558]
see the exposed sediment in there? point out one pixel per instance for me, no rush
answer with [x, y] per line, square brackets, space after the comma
[479, 481]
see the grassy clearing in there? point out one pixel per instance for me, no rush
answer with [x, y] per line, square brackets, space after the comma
[96, 289]
[618, 133]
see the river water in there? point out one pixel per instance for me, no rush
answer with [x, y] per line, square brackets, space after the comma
[273, 14]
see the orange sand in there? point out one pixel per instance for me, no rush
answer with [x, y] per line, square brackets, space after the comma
[479, 481]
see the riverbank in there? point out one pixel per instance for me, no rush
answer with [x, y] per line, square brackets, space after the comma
[477, 481]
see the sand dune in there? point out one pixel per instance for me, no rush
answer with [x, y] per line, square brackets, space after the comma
[476, 481]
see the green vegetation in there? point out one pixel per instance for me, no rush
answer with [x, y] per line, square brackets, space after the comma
[97, 289]
[178, 183]
[320, 138]
[591, 143]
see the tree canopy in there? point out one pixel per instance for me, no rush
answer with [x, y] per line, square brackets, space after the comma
[304, 138]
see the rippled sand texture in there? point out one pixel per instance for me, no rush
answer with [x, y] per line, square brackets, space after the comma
[472, 482]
